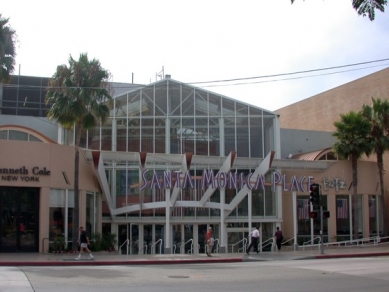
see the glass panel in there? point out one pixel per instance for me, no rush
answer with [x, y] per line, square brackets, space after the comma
[121, 135]
[202, 136]
[176, 238]
[106, 138]
[134, 239]
[134, 135]
[342, 218]
[202, 106]
[161, 95]
[187, 101]
[175, 145]
[270, 202]
[303, 219]
[256, 149]
[242, 137]
[147, 104]
[147, 134]
[258, 203]
[359, 217]
[160, 145]
[214, 105]
[268, 130]
[34, 139]
[19, 209]
[17, 135]
[214, 137]
[228, 108]
[3, 135]
[147, 239]
[187, 135]
[175, 100]
[91, 225]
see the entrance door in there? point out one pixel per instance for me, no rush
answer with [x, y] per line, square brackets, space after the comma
[19, 219]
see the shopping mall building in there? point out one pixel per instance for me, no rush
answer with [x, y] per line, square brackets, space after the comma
[172, 160]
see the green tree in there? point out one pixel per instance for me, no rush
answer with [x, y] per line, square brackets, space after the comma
[78, 94]
[352, 132]
[368, 7]
[378, 117]
[7, 50]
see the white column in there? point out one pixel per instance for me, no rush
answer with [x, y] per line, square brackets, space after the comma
[250, 211]
[195, 238]
[168, 237]
[182, 246]
[223, 227]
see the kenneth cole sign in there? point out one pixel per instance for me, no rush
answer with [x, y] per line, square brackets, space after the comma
[23, 174]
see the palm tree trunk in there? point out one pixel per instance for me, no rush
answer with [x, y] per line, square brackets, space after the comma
[354, 163]
[380, 163]
[76, 209]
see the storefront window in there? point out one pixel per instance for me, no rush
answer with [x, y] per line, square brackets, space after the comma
[91, 212]
[61, 218]
[373, 218]
[303, 219]
[342, 218]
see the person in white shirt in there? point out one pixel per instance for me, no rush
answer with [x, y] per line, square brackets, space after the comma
[254, 240]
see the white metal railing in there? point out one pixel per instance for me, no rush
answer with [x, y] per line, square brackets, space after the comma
[367, 241]
[244, 240]
[152, 247]
[143, 249]
[286, 241]
[216, 244]
[174, 248]
[312, 242]
[267, 242]
[360, 242]
[183, 246]
[128, 243]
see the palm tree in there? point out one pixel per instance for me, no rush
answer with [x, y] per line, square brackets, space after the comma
[77, 94]
[367, 7]
[352, 131]
[7, 50]
[378, 115]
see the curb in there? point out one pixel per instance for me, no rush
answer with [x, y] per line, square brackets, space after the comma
[119, 263]
[354, 255]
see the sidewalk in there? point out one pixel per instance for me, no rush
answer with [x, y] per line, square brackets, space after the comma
[113, 258]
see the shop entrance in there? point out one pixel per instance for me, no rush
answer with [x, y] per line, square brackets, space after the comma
[19, 219]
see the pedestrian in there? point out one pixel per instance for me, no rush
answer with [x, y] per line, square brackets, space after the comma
[279, 237]
[254, 240]
[210, 241]
[84, 242]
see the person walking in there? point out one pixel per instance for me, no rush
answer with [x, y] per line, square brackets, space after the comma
[84, 242]
[254, 240]
[279, 237]
[210, 240]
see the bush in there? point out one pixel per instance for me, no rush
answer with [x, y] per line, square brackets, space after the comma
[103, 242]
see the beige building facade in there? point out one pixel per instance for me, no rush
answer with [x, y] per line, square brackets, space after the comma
[319, 112]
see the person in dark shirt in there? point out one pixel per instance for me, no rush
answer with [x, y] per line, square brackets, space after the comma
[84, 242]
[279, 237]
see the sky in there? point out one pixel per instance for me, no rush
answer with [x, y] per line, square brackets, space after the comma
[201, 41]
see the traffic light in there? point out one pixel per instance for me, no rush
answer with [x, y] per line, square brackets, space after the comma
[326, 214]
[314, 214]
[315, 194]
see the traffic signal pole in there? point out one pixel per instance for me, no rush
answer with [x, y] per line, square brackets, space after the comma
[317, 200]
